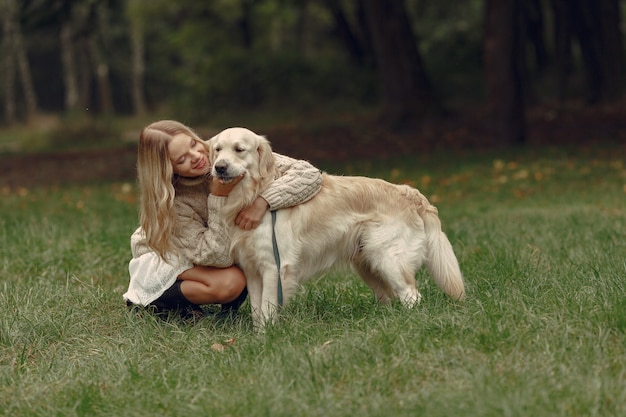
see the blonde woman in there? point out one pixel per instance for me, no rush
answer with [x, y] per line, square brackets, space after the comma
[181, 257]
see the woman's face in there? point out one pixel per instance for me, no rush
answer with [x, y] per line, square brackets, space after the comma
[188, 156]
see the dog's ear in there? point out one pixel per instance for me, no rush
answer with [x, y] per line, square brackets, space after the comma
[266, 157]
[208, 144]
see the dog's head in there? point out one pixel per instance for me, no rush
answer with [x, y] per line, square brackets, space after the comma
[237, 151]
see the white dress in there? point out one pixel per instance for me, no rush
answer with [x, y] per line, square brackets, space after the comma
[150, 275]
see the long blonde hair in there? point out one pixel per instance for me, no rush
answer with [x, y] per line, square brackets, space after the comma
[156, 179]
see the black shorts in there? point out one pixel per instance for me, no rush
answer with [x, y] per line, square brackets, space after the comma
[171, 300]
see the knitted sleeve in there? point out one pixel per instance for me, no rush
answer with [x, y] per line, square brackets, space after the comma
[203, 242]
[299, 181]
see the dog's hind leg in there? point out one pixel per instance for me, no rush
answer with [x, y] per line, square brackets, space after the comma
[388, 281]
[387, 262]
[376, 284]
[402, 285]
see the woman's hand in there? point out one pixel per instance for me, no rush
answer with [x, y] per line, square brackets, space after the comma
[221, 189]
[250, 217]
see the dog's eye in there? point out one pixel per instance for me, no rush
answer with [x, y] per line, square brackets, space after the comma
[239, 149]
[217, 149]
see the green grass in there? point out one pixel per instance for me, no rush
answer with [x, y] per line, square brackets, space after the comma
[540, 239]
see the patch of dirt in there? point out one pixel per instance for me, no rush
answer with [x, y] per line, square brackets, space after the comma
[342, 140]
[75, 167]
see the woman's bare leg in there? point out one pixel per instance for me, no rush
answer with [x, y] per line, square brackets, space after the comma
[210, 285]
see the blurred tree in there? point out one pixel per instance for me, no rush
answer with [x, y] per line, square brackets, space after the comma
[564, 59]
[536, 62]
[99, 40]
[534, 27]
[354, 37]
[85, 45]
[9, 64]
[70, 75]
[14, 52]
[595, 26]
[504, 67]
[407, 91]
[136, 23]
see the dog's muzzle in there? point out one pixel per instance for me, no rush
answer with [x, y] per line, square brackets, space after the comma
[220, 170]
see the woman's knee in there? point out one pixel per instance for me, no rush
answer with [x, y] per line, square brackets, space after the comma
[214, 285]
[236, 283]
[231, 283]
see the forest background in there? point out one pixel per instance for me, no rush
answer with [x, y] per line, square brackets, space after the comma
[507, 114]
[325, 80]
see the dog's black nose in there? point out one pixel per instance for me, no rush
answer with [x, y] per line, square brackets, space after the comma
[221, 167]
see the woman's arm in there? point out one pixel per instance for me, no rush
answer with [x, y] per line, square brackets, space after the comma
[299, 181]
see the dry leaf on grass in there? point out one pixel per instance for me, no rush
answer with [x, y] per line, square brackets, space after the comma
[219, 347]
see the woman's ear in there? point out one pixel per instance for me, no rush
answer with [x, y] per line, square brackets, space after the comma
[266, 157]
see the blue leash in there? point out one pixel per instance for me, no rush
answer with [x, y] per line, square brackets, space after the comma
[277, 258]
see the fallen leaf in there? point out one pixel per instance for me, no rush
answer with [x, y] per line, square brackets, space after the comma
[218, 347]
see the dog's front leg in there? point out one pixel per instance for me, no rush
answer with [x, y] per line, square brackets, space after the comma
[255, 292]
[269, 299]
[263, 299]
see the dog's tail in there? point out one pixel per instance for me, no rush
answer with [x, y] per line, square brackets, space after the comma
[441, 260]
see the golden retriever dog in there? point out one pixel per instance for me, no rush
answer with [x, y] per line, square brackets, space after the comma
[384, 231]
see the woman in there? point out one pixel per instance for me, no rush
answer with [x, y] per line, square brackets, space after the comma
[181, 251]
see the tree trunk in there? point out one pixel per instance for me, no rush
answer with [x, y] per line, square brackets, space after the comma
[345, 33]
[563, 46]
[612, 44]
[583, 19]
[99, 46]
[69, 68]
[82, 53]
[101, 70]
[15, 52]
[30, 97]
[27, 82]
[9, 64]
[595, 24]
[244, 23]
[534, 29]
[407, 91]
[364, 29]
[504, 65]
[138, 70]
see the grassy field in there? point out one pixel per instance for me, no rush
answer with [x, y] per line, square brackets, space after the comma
[540, 237]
